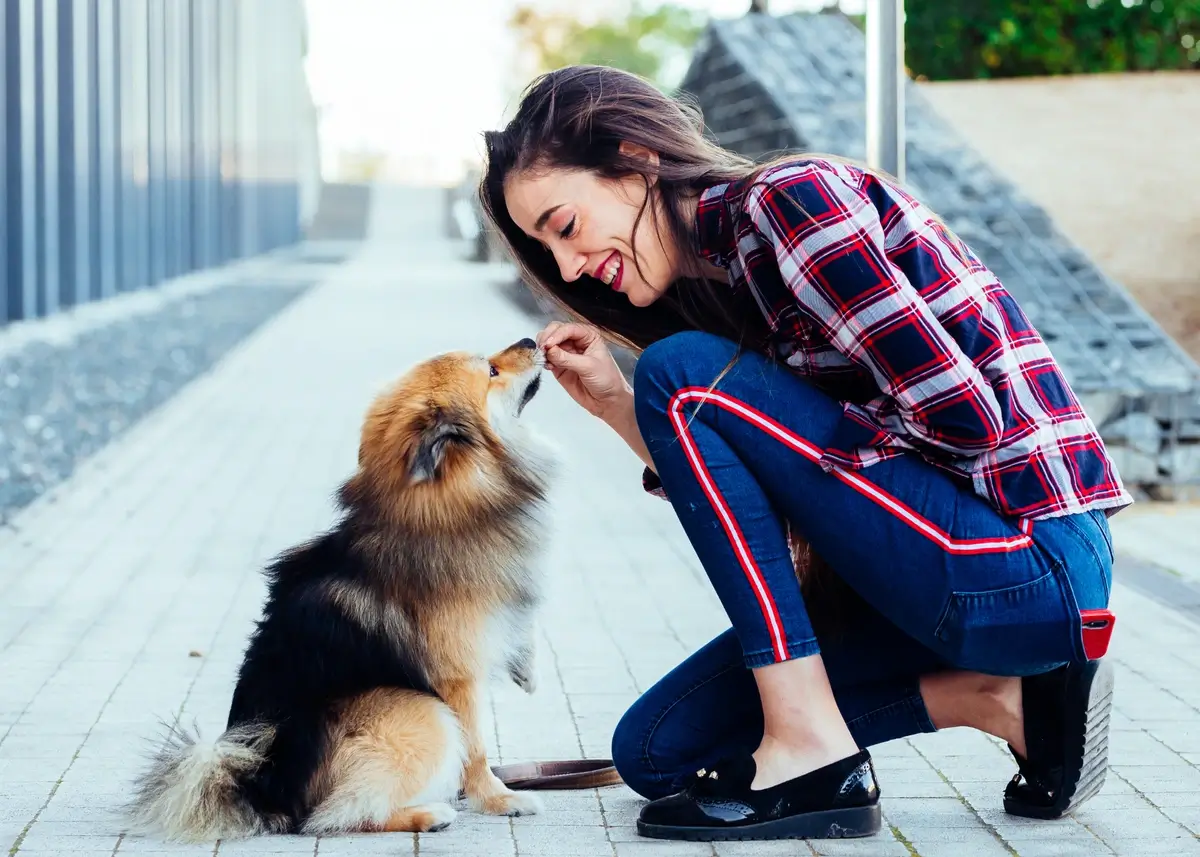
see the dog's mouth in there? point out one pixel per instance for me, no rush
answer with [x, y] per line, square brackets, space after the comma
[530, 391]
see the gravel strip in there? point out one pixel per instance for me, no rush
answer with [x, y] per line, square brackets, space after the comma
[60, 403]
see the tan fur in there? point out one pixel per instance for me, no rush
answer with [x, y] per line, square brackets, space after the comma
[396, 761]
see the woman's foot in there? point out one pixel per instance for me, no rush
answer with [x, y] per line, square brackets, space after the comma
[835, 801]
[1064, 760]
[776, 761]
[1055, 725]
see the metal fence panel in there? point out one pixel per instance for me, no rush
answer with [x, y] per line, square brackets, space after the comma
[141, 140]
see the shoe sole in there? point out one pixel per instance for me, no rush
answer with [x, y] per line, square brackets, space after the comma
[1086, 753]
[848, 823]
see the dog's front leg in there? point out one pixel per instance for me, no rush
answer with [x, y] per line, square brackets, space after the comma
[482, 788]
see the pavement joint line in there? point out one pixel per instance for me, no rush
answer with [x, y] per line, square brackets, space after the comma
[16, 846]
[105, 540]
[1115, 773]
[1127, 666]
[1007, 846]
[608, 629]
[903, 840]
[135, 568]
[663, 614]
[247, 577]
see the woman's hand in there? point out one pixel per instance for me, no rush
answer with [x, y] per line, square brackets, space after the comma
[583, 365]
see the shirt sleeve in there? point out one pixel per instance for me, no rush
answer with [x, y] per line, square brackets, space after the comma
[828, 241]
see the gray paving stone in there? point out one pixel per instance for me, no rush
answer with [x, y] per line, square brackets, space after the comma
[981, 847]
[1057, 848]
[1185, 847]
[664, 849]
[375, 843]
[933, 834]
[271, 845]
[578, 841]
[882, 845]
[34, 841]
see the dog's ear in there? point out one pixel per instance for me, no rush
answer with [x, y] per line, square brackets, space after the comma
[441, 432]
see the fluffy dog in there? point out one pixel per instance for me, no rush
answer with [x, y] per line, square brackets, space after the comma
[357, 701]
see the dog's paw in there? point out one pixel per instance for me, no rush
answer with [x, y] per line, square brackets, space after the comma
[433, 817]
[509, 802]
[525, 678]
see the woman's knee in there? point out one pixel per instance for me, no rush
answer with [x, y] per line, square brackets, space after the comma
[630, 755]
[686, 359]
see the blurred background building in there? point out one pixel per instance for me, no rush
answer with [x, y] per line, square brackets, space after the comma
[146, 139]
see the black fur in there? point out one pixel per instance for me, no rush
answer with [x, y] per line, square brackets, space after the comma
[304, 656]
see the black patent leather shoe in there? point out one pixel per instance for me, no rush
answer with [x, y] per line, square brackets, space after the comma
[1066, 740]
[838, 801]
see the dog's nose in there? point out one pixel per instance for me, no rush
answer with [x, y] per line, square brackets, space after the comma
[526, 344]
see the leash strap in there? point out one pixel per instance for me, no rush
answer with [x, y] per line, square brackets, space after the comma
[565, 774]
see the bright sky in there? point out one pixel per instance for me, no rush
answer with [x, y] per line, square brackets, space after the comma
[421, 79]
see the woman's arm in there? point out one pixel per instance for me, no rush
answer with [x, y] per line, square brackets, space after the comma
[829, 244]
[623, 421]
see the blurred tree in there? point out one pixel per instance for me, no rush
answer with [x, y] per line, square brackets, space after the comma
[954, 39]
[646, 41]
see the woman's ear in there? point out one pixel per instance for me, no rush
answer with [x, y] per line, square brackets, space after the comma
[633, 150]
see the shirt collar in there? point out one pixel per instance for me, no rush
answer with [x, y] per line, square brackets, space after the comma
[716, 225]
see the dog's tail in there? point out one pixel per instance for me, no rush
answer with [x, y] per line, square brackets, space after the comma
[196, 792]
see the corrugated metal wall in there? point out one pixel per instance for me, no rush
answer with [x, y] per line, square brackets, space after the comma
[144, 139]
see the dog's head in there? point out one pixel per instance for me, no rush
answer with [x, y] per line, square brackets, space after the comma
[447, 437]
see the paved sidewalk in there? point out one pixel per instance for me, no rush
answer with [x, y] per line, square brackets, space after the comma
[127, 595]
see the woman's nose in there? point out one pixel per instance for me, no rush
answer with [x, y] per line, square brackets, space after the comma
[572, 266]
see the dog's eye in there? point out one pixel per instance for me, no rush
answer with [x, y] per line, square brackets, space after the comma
[493, 370]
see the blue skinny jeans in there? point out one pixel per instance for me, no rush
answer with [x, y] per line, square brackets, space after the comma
[939, 579]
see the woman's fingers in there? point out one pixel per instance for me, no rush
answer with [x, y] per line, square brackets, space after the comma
[557, 334]
[546, 332]
[563, 359]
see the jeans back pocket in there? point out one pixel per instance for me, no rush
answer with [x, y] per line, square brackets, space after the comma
[1018, 630]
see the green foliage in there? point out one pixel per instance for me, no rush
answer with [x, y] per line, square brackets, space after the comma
[956, 39]
[643, 41]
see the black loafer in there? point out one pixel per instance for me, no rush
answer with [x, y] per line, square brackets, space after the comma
[838, 801]
[1067, 714]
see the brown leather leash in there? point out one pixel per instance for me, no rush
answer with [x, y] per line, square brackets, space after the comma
[565, 774]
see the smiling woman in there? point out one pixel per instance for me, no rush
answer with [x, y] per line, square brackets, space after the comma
[871, 388]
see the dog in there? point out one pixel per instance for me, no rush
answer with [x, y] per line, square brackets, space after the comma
[357, 701]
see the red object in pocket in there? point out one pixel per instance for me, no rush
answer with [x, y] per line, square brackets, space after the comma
[1097, 631]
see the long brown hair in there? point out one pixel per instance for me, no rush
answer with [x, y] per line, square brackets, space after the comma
[576, 118]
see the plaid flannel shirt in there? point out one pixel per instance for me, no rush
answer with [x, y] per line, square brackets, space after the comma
[873, 300]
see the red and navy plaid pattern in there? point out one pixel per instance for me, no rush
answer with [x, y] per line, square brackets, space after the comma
[875, 301]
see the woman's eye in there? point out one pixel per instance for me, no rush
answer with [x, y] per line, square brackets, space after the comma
[569, 229]
[493, 370]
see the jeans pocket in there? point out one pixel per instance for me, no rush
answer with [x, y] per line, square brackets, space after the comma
[1018, 630]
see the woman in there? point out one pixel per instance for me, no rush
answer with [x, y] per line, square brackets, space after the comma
[819, 355]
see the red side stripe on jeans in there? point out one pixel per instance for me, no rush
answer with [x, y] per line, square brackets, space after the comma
[749, 566]
[927, 528]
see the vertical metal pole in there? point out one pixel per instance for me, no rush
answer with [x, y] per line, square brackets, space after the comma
[885, 86]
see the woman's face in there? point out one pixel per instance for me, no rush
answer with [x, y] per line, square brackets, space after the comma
[587, 223]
